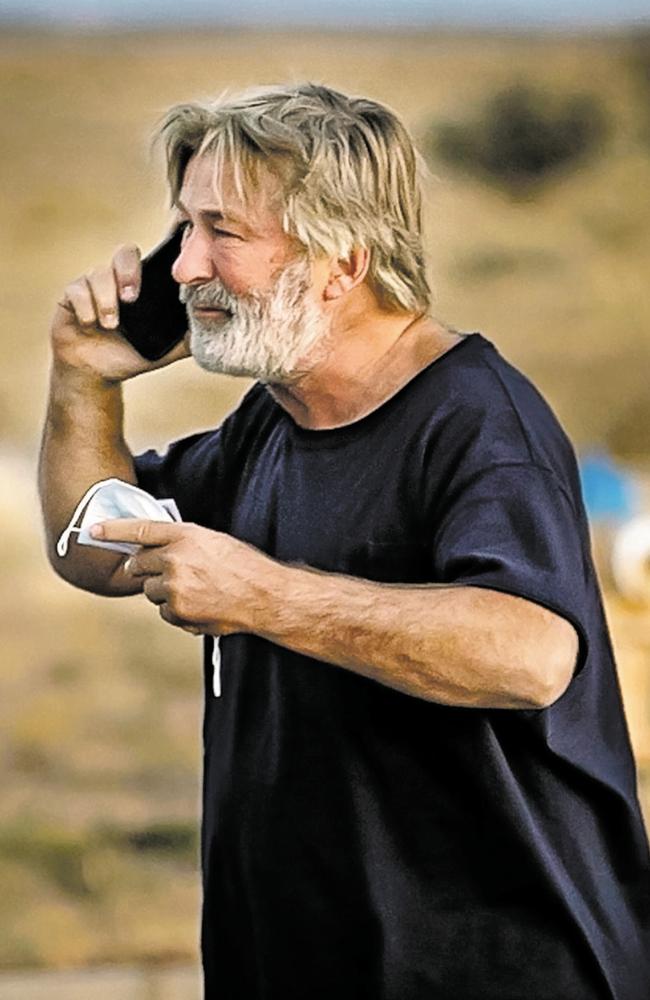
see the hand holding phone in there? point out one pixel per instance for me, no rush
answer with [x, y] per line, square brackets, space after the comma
[157, 320]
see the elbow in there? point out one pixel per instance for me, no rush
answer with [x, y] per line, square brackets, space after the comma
[67, 567]
[68, 570]
[553, 665]
[60, 565]
[96, 571]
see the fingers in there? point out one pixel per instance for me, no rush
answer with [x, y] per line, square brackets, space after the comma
[158, 593]
[171, 619]
[138, 531]
[147, 562]
[192, 629]
[178, 352]
[78, 300]
[127, 270]
[181, 350]
[94, 298]
[155, 590]
[103, 289]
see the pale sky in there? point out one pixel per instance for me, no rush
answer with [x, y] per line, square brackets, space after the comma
[332, 13]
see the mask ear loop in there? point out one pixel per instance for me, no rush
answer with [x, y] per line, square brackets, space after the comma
[216, 668]
[64, 538]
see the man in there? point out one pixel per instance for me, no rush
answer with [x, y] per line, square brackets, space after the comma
[418, 781]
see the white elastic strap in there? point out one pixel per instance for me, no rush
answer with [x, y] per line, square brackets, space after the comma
[64, 539]
[216, 668]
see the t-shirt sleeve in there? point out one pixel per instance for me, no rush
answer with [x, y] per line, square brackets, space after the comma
[201, 472]
[514, 528]
[189, 471]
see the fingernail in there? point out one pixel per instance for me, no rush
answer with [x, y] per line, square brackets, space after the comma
[97, 531]
[128, 293]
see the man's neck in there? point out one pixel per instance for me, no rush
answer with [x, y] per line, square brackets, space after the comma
[364, 366]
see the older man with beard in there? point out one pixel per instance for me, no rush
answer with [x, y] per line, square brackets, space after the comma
[418, 781]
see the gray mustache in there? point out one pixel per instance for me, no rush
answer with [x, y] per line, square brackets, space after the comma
[206, 297]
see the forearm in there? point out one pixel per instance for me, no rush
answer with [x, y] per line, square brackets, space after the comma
[452, 644]
[82, 443]
[463, 646]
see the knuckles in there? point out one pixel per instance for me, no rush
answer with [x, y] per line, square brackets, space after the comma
[76, 286]
[142, 533]
[187, 580]
[127, 250]
[151, 588]
[168, 615]
[180, 606]
[98, 274]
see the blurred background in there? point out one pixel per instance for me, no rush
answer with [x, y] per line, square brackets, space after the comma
[535, 122]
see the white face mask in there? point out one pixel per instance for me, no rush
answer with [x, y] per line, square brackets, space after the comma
[107, 500]
[113, 498]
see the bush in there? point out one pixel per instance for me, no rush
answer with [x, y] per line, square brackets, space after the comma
[639, 64]
[639, 59]
[57, 853]
[172, 839]
[523, 138]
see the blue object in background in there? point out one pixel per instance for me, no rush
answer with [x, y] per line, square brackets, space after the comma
[608, 490]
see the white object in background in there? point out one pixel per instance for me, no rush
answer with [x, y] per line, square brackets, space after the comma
[110, 499]
[630, 559]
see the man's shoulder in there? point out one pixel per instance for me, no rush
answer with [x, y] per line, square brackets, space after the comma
[475, 410]
[495, 408]
[479, 377]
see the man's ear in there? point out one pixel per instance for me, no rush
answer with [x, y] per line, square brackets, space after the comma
[347, 273]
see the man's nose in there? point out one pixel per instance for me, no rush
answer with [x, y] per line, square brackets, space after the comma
[194, 264]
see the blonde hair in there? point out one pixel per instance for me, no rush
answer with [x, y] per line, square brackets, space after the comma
[348, 170]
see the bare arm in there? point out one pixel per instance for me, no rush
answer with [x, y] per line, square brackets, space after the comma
[455, 645]
[82, 443]
[83, 438]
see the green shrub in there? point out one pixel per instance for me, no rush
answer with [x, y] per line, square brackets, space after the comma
[57, 853]
[522, 138]
[639, 59]
[171, 838]
[62, 855]
[639, 64]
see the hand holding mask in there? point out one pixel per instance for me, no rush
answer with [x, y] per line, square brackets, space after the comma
[109, 499]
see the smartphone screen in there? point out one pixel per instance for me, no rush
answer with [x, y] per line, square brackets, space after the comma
[157, 320]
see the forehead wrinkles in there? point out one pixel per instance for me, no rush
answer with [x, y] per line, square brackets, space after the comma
[211, 182]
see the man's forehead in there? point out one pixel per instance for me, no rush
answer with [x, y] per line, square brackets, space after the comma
[204, 189]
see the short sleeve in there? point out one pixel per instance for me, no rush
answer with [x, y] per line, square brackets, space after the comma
[201, 471]
[514, 528]
[188, 471]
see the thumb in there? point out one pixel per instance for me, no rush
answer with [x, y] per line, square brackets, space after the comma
[178, 352]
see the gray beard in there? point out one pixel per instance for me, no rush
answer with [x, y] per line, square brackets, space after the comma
[273, 336]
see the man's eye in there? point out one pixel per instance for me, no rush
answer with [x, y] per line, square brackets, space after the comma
[185, 226]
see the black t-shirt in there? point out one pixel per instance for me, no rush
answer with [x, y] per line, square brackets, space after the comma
[362, 844]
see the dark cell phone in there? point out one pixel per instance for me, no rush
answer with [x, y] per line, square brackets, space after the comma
[157, 320]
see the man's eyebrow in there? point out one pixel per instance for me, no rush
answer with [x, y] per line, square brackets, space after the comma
[211, 213]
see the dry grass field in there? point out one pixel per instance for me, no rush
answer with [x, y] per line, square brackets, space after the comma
[100, 702]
